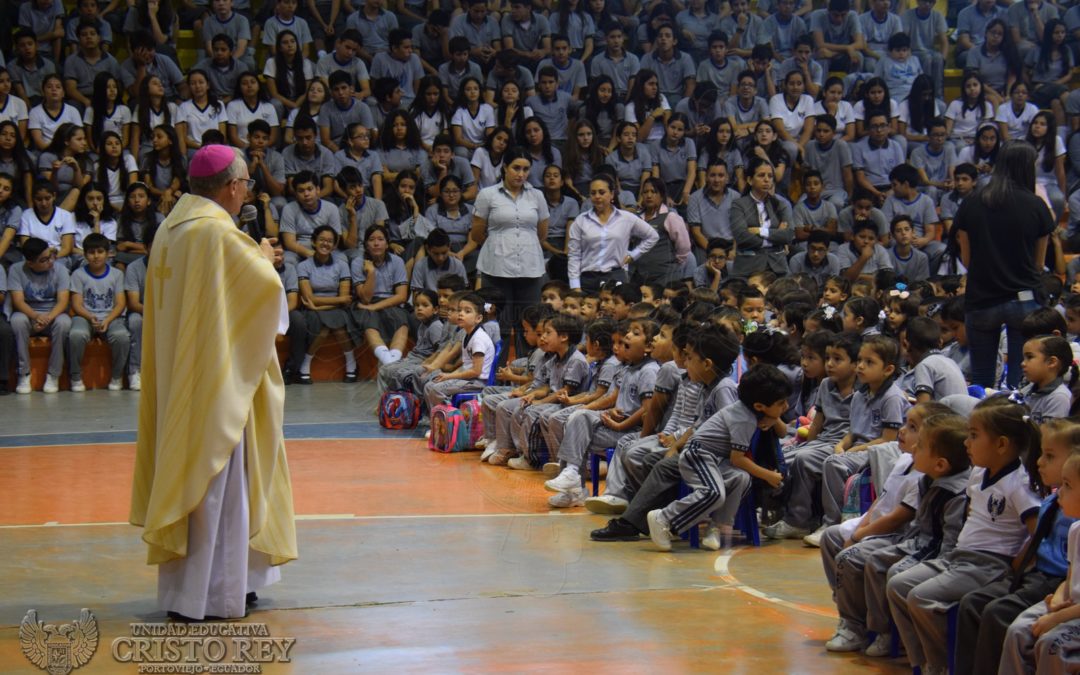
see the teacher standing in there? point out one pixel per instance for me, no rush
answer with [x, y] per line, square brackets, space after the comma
[1003, 231]
[599, 240]
[510, 219]
[759, 224]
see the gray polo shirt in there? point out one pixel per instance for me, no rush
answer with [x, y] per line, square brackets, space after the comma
[936, 165]
[83, 72]
[426, 275]
[713, 219]
[813, 217]
[828, 268]
[560, 216]
[457, 227]
[297, 26]
[846, 219]
[39, 289]
[135, 278]
[636, 385]
[881, 260]
[923, 29]
[972, 21]
[400, 159]
[629, 171]
[407, 73]
[1050, 402]
[732, 428]
[275, 162]
[921, 211]
[370, 212]
[755, 113]
[527, 36]
[427, 338]
[236, 27]
[98, 293]
[915, 267]
[481, 35]
[452, 79]
[329, 64]
[554, 112]
[325, 279]
[369, 164]
[322, 163]
[619, 71]
[672, 74]
[33, 76]
[287, 274]
[376, 33]
[869, 416]
[524, 78]
[222, 79]
[877, 162]
[830, 162]
[937, 375]
[836, 409]
[162, 66]
[673, 161]
[571, 371]
[605, 373]
[301, 222]
[570, 77]
[338, 119]
[388, 276]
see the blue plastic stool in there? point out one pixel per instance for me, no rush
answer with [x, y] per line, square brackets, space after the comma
[594, 469]
[952, 618]
[458, 399]
[746, 518]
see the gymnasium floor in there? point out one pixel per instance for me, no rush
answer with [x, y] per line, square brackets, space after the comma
[410, 561]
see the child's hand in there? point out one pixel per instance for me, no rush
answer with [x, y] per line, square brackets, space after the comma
[774, 479]
[1044, 623]
[562, 398]
[666, 440]
[1057, 607]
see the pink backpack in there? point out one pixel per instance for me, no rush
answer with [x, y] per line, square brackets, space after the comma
[473, 412]
[449, 430]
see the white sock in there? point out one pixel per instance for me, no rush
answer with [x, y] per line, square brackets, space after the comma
[383, 354]
[305, 367]
[350, 362]
[395, 354]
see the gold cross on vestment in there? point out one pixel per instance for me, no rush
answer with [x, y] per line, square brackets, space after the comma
[161, 274]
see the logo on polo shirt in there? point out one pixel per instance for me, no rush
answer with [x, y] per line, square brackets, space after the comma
[995, 506]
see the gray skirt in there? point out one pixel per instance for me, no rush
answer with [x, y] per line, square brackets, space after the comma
[330, 319]
[385, 321]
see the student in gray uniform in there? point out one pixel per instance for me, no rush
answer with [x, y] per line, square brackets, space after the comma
[39, 297]
[307, 155]
[832, 158]
[816, 260]
[708, 213]
[830, 425]
[97, 296]
[301, 218]
[7, 337]
[359, 211]
[596, 430]
[566, 372]
[721, 450]
[497, 443]
[933, 375]
[1048, 360]
[135, 288]
[436, 262]
[919, 207]
[326, 294]
[908, 261]
[861, 208]
[863, 256]
[813, 212]
[428, 332]
[381, 287]
[877, 413]
[343, 57]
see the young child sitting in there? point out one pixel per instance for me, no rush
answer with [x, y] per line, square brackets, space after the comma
[39, 296]
[926, 488]
[1043, 638]
[1003, 504]
[428, 331]
[718, 465]
[478, 356]
[933, 376]
[98, 298]
[596, 430]
[1047, 360]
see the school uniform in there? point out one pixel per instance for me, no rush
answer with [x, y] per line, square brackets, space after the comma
[870, 415]
[60, 224]
[1016, 122]
[877, 161]
[755, 112]
[47, 124]
[783, 35]
[426, 274]
[993, 533]
[99, 296]
[881, 260]
[475, 342]
[986, 613]
[937, 375]
[391, 375]
[329, 63]
[407, 73]
[620, 71]
[322, 163]
[162, 66]
[915, 266]
[325, 279]
[805, 468]
[673, 163]
[40, 292]
[1049, 402]
[473, 127]
[113, 184]
[922, 213]
[301, 223]
[493, 397]
[571, 371]
[83, 73]
[814, 217]
[500, 406]
[135, 282]
[389, 276]
[714, 218]
[527, 35]
[831, 161]
[200, 120]
[376, 32]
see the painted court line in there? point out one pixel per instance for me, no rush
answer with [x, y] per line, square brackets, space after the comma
[334, 516]
[722, 569]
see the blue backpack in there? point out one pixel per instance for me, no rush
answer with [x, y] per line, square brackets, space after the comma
[859, 494]
[399, 410]
[449, 430]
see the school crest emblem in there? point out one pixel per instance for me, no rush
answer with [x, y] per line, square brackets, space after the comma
[995, 506]
[58, 649]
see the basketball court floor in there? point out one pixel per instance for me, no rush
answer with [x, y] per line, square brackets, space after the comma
[410, 561]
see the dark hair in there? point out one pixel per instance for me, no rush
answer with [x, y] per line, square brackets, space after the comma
[717, 344]
[886, 348]
[945, 436]
[305, 176]
[600, 331]
[33, 247]
[222, 37]
[1015, 169]
[103, 167]
[396, 207]
[849, 343]
[898, 41]
[143, 99]
[923, 335]
[63, 134]
[628, 293]
[1055, 346]
[1000, 417]
[968, 169]
[18, 153]
[905, 173]
[643, 107]
[884, 108]
[459, 43]
[1042, 321]
[570, 326]
[990, 157]
[864, 308]
[1013, 63]
[82, 213]
[298, 85]
[764, 384]
[125, 230]
[1047, 48]
[771, 347]
[211, 99]
[99, 103]
[412, 133]
[338, 77]
[545, 144]
[450, 282]
[1049, 140]
[95, 241]
[441, 109]
[437, 238]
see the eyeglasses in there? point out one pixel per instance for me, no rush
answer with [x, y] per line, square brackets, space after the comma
[879, 126]
[248, 182]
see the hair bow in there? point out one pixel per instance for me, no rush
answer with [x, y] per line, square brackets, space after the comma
[1016, 397]
[1026, 418]
[898, 293]
[488, 307]
[882, 315]
[829, 311]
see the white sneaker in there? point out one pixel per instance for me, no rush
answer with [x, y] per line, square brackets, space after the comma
[814, 538]
[881, 646]
[520, 464]
[568, 499]
[481, 443]
[134, 382]
[781, 530]
[845, 640]
[659, 531]
[608, 505]
[567, 480]
[52, 384]
[24, 385]
[116, 384]
[489, 450]
[77, 385]
[717, 538]
[552, 469]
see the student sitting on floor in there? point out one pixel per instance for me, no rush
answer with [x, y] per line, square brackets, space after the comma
[478, 356]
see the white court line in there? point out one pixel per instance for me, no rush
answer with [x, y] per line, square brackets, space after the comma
[333, 516]
[722, 569]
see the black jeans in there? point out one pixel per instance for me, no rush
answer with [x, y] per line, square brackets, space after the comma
[519, 293]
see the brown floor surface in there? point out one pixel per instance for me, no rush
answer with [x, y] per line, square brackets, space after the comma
[413, 561]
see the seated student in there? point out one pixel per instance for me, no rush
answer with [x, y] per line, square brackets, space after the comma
[747, 108]
[932, 376]
[478, 356]
[359, 212]
[708, 213]
[831, 157]
[829, 426]
[875, 156]
[1042, 638]
[908, 261]
[702, 390]
[297, 331]
[98, 299]
[860, 555]
[717, 463]
[454, 71]
[877, 413]
[301, 218]
[49, 222]
[570, 72]
[357, 153]
[862, 207]
[986, 613]
[813, 212]
[223, 70]
[717, 265]
[135, 289]
[816, 260]
[1048, 360]
[325, 293]
[39, 298]
[306, 155]
[428, 331]
[29, 70]
[341, 111]
[571, 304]
[343, 57]
[400, 63]
[965, 177]
[603, 342]
[898, 68]
[552, 294]
[863, 256]
[1003, 498]
[81, 67]
[435, 262]
[523, 373]
[407, 377]
[443, 163]
[595, 430]
[906, 199]
[381, 287]
[935, 160]
[652, 294]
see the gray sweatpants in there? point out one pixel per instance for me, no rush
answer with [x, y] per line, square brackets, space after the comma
[855, 593]
[585, 434]
[835, 471]
[920, 597]
[1055, 652]
[804, 473]
[57, 331]
[437, 393]
[522, 424]
[134, 324]
[554, 427]
[715, 486]
[391, 374]
[490, 398]
[497, 424]
[832, 543]
[116, 335]
[631, 464]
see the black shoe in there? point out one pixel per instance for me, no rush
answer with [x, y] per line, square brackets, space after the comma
[350, 377]
[251, 600]
[617, 529]
[303, 378]
[288, 375]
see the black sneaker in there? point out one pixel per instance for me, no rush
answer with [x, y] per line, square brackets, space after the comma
[251, 600]
[617, 529]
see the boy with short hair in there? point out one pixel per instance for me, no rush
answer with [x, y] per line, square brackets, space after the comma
[222, 20]
[751, 305]
[965, 178]
[674, 68]
[831, 157]
[784, 30]
[265, 164]
[442, 163]
[86, 11]
[552, 294]
[617, 63]
[525, 33]
[932, 375]
[453, 72]
[436, 263]
[898, 68]
[863, 256]
[929, 42]
[878, 24]
[551, 104]
[935, 160]
[39, 296]
[481, 30]
[359, 212]
[81, 67]
[570, 71]
[717, 265]
[838, 37]
[305, 155]
[622, 297]
[906, 199]
[875, 156]
[28, 69]
[222, 69]
[98, 299]
[816, 260]
[342, 110]
[300, 218]
[862, 208]
[344, 57]
[907, 260]
[400, 63]
[44, 19]
[572, 301]
[285, 18]
[813, 212]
